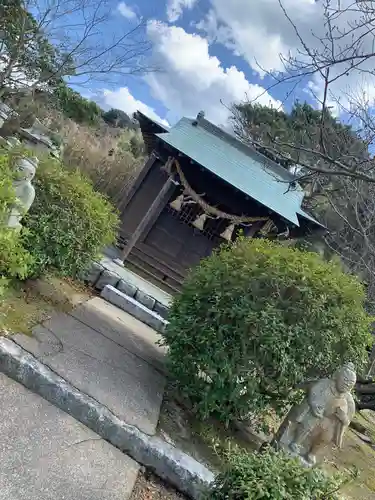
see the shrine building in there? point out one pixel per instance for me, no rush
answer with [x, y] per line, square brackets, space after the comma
[199, 187]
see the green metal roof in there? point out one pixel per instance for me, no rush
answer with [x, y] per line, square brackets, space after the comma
[239, 165]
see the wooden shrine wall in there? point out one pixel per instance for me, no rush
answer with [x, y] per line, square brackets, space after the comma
[170, 244]
[145, 190]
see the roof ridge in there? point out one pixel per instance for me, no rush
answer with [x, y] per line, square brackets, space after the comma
[240, 145]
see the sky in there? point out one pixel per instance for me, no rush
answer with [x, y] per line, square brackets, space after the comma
[211, 53]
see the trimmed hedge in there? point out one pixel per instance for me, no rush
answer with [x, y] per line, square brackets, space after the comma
[254, 320]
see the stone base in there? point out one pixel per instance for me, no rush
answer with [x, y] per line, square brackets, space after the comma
[255, 439]
[98, 276]
[134, 307]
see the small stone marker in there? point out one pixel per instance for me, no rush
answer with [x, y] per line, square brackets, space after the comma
[92, 275]
[145, 299]
[161, 309]
[127, 288]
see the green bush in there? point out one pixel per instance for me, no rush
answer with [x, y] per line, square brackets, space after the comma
[14, 259]
[69, 223]
[75, 106]
[271, 475]
[255, 319]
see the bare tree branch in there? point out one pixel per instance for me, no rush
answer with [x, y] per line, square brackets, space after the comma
[49, 40]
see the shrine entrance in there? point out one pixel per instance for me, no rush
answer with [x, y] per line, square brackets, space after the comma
[175, 235]
[201, 187]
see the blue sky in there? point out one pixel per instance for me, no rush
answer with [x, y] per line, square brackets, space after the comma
[211, 51]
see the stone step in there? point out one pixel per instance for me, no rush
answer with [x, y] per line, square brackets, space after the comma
[132, 306]
[107, 273]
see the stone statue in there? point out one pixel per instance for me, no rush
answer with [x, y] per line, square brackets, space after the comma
[24, 190]
[321, 418]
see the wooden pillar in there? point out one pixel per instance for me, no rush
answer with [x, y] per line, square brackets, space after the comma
[138, 180]
[154, 209]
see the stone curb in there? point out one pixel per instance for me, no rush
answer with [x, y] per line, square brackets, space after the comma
[171, 464]
[134, 307]
[98, 277]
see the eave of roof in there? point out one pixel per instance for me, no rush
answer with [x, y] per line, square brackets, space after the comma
[257, 175]
[305, 215]
[163, 127]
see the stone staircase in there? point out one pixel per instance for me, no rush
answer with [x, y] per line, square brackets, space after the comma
[130, 292]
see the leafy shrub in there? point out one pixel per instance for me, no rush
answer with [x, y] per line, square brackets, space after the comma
[7, 197]
[69, 223]
[271, 475]
[255, 319]
[76, 107]
[14, 259]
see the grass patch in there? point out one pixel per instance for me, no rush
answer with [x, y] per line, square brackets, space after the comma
[20, 312]
[29, 303]
[360, 455]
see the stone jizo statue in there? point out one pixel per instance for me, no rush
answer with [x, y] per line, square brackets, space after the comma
[322, 418]
[24, 190]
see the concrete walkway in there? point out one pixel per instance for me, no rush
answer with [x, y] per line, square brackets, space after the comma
[47, 455]
[107, 354]
[102, 367]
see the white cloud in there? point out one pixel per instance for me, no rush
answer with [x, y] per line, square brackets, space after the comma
[192, 79]
[260, 32]
[123, 99]
[126, 11]
[175, 8]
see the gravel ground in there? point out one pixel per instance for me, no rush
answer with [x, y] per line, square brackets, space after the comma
[150, 487]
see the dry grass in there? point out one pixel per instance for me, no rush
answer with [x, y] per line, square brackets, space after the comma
[89, 150]
[355, 453]
[150, 487]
